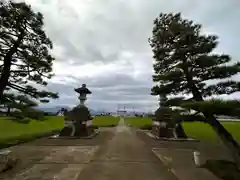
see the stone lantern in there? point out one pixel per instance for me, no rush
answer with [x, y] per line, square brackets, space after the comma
[83, 91]
[164, 126]
[78, 121]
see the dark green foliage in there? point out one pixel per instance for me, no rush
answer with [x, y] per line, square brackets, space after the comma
[184, 62]
[189, 118]
[13, 102]
[229, 107]
[24, 51]
[177, 101]
[33, 114]
[20, 106]
[183, 59]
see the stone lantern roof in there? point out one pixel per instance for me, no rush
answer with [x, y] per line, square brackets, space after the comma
[83, 90]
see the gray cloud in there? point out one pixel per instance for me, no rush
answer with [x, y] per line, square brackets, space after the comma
[115, 33]
[108, 92]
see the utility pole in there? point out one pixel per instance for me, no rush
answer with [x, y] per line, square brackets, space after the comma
[117, 109]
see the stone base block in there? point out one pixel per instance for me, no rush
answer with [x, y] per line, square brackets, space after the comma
[66, 131]
[7, 160]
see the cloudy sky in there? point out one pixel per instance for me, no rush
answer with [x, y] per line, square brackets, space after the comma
[104, 43]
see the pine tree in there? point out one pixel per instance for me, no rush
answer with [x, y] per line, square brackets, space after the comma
[184, 61]
[24, 51]
[20, 106]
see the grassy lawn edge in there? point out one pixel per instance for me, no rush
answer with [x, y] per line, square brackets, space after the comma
[197, 130]
[8, 142]
[14, 133]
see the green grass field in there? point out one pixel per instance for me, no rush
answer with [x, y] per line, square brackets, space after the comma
[138, 122]
[105, 121]
[196, 130]
[12, 131]
[204, 131]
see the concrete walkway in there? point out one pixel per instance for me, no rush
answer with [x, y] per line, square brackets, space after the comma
[120, 153]
[125, 157]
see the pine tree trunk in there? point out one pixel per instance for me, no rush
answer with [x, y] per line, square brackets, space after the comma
[7, 63]
[5, 76]
[226, 138]
[8, 111]
[224, 135]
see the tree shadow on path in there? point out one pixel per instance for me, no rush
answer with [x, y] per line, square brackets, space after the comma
[225, 170]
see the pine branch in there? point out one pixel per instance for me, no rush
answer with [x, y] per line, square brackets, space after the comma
[227, 87]
[22, 71]
[19, 65]
[221, 72]
[177, 101]
[215, 106]
[190, 118]
[23, 89]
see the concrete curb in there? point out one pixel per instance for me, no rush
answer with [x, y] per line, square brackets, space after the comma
[95, 133]
[170, 139]
[164, 161]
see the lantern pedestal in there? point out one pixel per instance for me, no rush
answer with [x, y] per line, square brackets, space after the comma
[164, 127]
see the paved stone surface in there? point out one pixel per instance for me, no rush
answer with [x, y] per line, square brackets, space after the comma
[60, 163]
[178, 156]
[181, 163]
[125, 157]
[46, 159]
[208, 150]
